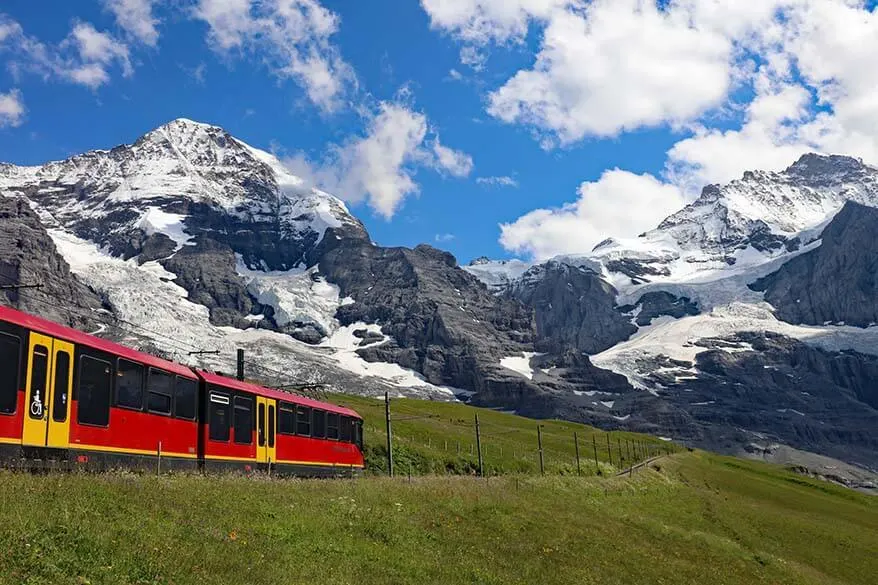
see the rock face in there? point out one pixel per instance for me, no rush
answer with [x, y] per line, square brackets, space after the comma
[660, 304]
[235, 251]
[811, 399]
[28, 256]
[207, 271]
[574, 308]
[444, 322]
[835, 283]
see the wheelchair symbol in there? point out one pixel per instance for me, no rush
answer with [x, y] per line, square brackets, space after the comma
[36, 406]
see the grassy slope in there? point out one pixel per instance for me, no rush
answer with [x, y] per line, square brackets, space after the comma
[699, 519]
[428, 435]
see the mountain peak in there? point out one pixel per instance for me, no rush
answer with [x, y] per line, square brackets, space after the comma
[812, 164]
[180, 179]
[191, 138]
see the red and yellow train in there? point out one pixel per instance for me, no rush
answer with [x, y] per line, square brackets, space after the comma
[73, 399]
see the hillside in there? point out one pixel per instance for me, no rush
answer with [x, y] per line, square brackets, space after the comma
[440, 437]
[693, 518]
[743, 323]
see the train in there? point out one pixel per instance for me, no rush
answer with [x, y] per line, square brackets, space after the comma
[75, 401]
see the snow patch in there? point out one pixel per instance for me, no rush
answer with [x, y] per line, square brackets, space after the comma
[520, 364]
[298, 297]
[346, 344]
[156, 221]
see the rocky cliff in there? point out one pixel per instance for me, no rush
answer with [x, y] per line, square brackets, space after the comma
[208, 243]
[836, 282]
[28, 256]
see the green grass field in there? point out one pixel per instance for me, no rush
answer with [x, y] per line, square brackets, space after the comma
[689, 518]
[698, 519]
[439, 438]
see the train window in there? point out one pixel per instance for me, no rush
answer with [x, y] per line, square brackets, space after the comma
[303, 421]
[260, 432]
[62, 386]
[318, 427]
[10, 361]
[358, 433]
[218, 416]
[185, 398]
[286, 419]
[160, 388]
[129, 385]
[344, 431]
[271, 426]
[243, 420]
[93, 391]
[39, 376]
[332, 426]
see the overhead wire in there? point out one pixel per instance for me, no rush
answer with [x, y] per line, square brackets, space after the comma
[114, 317]
[104, 318]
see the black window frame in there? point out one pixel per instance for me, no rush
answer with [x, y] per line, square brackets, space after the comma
[318, 423]
[177, 387]
[260, 424]
[66, 389]
[235, 409]
[271, 421]
[303, 417]
[38, 350]
[150, 392]
[229, 414]
[289, 414]
[80, 371]
[15, 380]
[345, 429]
[143, 377]
[333, 429]
[358, 433]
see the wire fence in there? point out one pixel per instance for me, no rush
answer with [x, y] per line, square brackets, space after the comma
[433, 443]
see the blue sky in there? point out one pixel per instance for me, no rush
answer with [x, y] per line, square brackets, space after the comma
[690, 128]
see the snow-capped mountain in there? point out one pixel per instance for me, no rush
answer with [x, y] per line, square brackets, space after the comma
[765, 274]
[497, 274]
[747, 222]
[722, 327]
[166, 182]
[205, 242]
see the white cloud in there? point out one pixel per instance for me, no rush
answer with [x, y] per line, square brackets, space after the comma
[199, 73]
[292, 38]
[503, 181]
[618, 65]
[97, 51]
[619, 204]
[803, 68]
[831, 45]
[444, 238]
[12, 109]
[379, 167]
[84, 57]
[479, 22]
[136, 18]
[455, 162]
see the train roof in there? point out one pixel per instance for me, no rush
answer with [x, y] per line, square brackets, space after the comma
[235, 384]
[52, 329]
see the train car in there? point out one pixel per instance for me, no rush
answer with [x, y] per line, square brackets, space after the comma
[292, 435]
[71, 399]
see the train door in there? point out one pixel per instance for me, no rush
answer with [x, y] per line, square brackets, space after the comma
[266, 426]
[48, 383]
